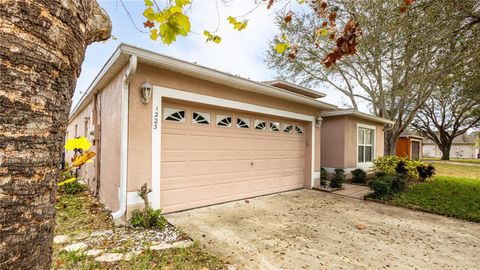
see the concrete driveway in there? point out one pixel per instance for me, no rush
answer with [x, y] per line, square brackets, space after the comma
[309, 229]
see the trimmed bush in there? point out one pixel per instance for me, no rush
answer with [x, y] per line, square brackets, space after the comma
[381, 186]
[389, 164]
[338, 179]
[359, 176]
[385, 186]
[148, 218]
[399, 183]
[323, 177]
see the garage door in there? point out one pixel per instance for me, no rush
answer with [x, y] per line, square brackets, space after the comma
[210, 155]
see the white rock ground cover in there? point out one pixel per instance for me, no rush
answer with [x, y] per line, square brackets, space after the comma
[122, 243]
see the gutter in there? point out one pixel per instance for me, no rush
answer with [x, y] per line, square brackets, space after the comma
[122, 189]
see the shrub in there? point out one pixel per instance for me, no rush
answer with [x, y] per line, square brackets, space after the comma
[359, 176]
[338, 179]
[399, 183]
[389, 164]
[386, 186]
[72, 188]
[148, 218]
[425, 171]
[381, 186]
[323, 177]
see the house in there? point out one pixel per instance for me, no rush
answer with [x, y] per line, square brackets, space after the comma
[198, 136]
[409, 145]
[463, 146]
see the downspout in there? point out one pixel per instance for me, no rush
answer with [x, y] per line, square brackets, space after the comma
[122, 189]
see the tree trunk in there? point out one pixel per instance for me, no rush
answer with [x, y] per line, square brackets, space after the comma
[42, 46]
[445, 152]
[390, 147]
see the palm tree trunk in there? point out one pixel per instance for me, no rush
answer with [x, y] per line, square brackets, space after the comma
[42, 46]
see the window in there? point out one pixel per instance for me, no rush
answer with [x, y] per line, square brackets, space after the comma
[287, 128]
[365, 144]
[298, 130]
[201, 118]
[243, 123]
[274, 126]
[175, 115]
[224, 121]
[260, 125]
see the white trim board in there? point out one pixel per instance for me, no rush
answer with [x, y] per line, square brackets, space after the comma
[160, 92]
[365, 165]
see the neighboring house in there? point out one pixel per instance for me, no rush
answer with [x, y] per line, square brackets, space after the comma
[463, 146]
[409, 145]
[198, 136]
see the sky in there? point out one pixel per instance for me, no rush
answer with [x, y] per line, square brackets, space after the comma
[240, 53]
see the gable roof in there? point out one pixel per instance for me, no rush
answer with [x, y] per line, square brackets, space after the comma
[358, 114]
[121, 57]
[296, 88]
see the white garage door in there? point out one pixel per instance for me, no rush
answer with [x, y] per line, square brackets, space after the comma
[212, 155]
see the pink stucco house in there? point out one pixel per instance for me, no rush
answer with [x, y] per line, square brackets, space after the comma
[198, 136]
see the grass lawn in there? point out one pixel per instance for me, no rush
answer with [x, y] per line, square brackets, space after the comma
[462, 171]
[81, 213]
[445, 195]
[464, 160]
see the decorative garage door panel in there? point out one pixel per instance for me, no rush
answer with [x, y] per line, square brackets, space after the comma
[209, 156]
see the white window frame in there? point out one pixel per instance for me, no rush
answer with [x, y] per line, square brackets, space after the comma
[365, 165]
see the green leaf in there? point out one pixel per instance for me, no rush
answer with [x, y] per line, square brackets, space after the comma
[301, 1]
[181, 22]
[282, 47]
[210, 37]
[236, 24]
[231, 20]
[148, 3]
[323, 32]
[150, 14]
[181, 3]
[168, 34]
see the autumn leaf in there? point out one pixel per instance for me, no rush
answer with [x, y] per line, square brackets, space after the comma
[324, 24]
[288, 17]
[332, 16]
[82, 159]
[154, 34]
[282, 47]
[148, 3]
[148, 24]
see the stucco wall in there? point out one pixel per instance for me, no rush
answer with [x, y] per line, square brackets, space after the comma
[110, 110]
[339, 141]
[139, 161]
[333, 142]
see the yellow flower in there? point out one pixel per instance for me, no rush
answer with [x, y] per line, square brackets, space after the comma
[78, 143]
